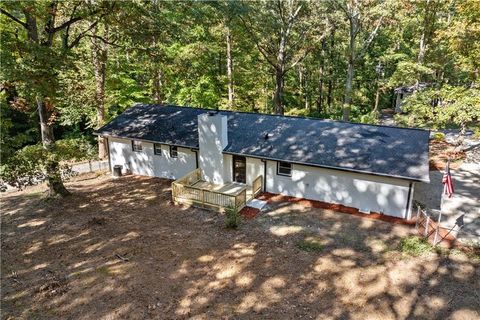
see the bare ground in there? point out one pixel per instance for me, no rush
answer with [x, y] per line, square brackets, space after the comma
[119, 249]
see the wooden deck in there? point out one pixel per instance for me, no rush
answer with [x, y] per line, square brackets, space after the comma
[192, 189]
[232, 188]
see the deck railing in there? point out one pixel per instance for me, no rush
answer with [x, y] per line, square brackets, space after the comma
[184, 192]
[257, 186]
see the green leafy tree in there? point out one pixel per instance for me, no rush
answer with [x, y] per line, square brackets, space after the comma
[39, 36]
[440, 107]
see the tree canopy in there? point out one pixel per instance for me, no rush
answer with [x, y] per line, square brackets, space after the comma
[69, 67]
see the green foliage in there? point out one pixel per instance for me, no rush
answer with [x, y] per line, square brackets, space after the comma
[310, 244]
[232, 218]
[415, 246]
[370, 118]
[438, 107]
[439, 136]
[476, 132]
[175, 52]
[28, 165]
[407, 72]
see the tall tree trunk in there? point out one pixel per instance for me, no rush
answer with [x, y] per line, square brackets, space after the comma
[422, 49]
[306, 97]
[320, 90]
[99, 57]
[54, 178]
[278, 96]
[52, 166]
[157, 85]
[377, 99]
[347, 102]
[320, 97]
[230, 69]
[279, 75]
[330, 93]
[423, 37]
[476, 74]
[330, 70]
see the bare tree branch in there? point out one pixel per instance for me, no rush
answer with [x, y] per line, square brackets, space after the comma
[264, 51]
[24, 24]
[82, 34]
[373, 33]
[67, 24]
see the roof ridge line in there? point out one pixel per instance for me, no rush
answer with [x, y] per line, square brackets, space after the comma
[282, 116]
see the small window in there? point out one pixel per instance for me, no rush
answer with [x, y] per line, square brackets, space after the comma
[136, 146]
[173, 152]
[284, 168]
[157, 149]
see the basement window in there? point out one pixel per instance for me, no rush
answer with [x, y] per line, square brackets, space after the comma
[173, 152]
[284, 169]
[157, 149]
[136, 146]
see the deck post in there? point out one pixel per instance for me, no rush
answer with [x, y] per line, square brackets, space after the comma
[418, 217]
[427, 226]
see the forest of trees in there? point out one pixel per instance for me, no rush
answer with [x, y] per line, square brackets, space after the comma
[70, 66]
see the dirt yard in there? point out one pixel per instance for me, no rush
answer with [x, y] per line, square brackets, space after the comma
[118, 249]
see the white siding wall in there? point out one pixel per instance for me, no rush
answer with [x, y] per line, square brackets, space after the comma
[146, 163]
[212, 139]
[228, 168]
[362, 191]
[255, 168]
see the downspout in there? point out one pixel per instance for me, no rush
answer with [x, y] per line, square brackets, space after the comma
[264, 175]
[108, 152]
[407, 209]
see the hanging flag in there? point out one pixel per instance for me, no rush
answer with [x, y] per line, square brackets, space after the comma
[447, 181]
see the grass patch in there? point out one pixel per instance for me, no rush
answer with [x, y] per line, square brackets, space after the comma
[415, 246]
[105, 270]
[310, 244]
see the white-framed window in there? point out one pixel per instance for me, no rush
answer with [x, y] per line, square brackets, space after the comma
[284, 168]
[173, 152]
[157, 149]
[136, 145]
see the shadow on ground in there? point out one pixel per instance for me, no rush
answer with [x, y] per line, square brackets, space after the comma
[119, 249]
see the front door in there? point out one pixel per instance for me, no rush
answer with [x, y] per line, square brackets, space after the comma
[239, 169]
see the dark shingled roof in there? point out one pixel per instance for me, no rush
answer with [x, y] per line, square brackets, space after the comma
[379, 150]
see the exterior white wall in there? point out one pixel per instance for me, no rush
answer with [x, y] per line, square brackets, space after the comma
[121, 153]
[255, 167]
[365, 192]
[173, 168]
[227, 168]
[212, 139]
[362, 191]
[146, 163]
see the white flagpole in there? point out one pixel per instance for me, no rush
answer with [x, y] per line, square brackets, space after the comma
[441, 205]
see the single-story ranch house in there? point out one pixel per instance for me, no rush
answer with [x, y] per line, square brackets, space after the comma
[370, 167]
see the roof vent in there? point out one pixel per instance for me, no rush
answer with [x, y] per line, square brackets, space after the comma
[213, 112]
[266, 136]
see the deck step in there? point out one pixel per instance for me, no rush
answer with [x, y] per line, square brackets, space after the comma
[256, 203]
